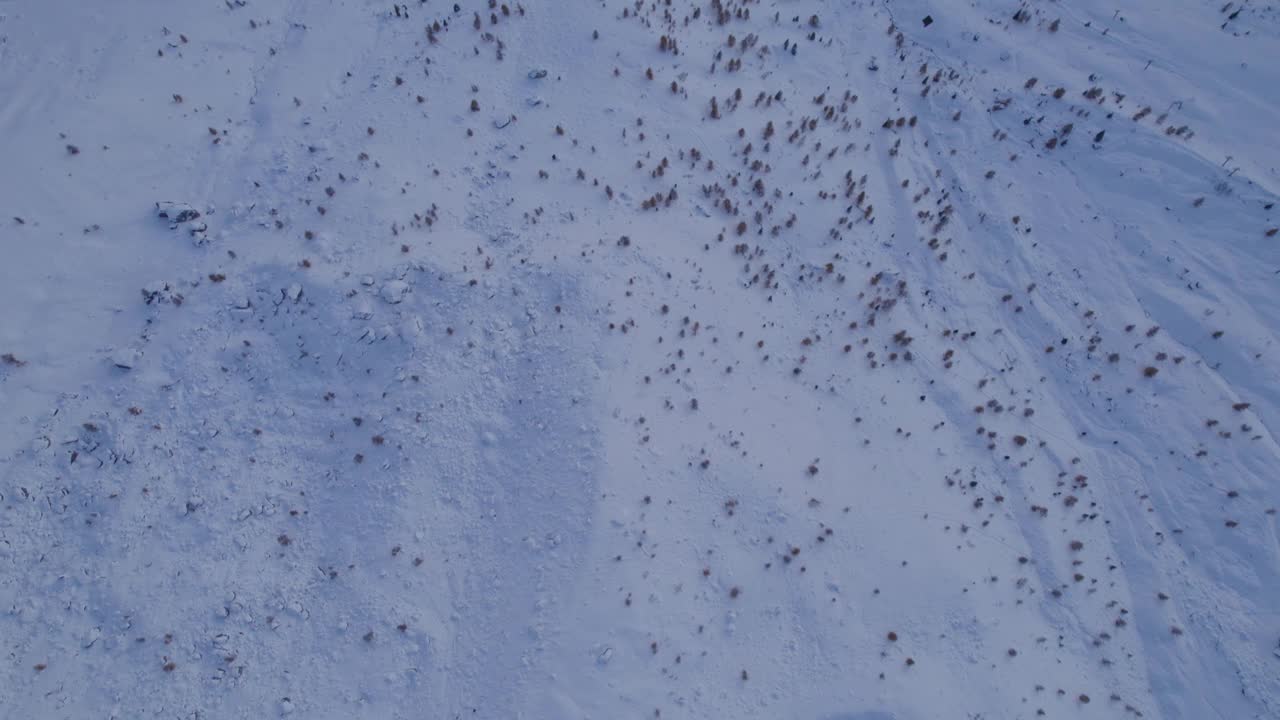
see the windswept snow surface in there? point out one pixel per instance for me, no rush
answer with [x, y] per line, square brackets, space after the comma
[556, 359]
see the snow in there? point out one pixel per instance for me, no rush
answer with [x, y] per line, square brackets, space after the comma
[543, 407]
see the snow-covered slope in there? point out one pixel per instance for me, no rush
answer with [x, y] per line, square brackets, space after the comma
[824, 360]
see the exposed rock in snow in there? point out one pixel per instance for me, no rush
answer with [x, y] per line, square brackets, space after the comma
[182, 215]
[126, 358]
[176, 213]
[394, 291]
[362, 309]
[161, 292]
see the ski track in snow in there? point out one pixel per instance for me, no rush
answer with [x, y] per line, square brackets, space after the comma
[429, 425]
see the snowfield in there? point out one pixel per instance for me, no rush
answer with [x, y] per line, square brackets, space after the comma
[858, 360]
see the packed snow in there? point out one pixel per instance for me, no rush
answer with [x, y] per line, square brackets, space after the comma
[859, 360]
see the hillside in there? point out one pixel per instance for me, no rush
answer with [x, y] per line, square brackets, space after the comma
[883, 360]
